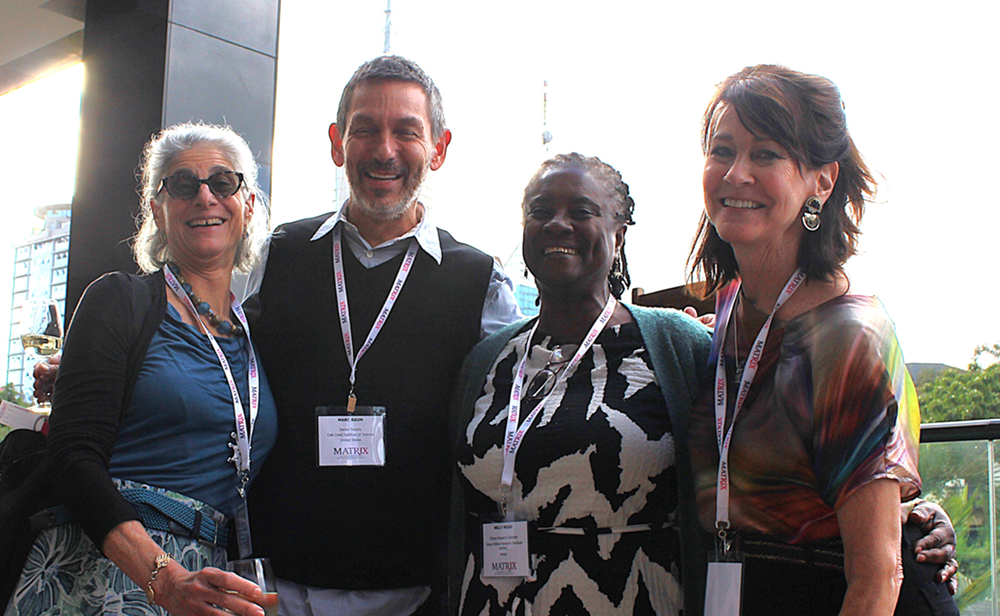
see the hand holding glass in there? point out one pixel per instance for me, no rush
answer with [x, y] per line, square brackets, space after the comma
[41, 332]
[258, 571]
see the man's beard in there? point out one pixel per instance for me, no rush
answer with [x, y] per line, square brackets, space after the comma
[391, 211]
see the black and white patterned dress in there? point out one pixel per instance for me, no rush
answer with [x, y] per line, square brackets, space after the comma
[599, 457]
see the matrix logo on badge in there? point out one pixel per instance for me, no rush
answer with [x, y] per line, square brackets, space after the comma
[505, 549]
[356, 440]
[350, 451]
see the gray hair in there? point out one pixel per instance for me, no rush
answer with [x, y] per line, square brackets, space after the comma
[149, 246]
[395, 68]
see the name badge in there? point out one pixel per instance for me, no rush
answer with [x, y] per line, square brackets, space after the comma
[505, 549]
[20, 418]
[724, 589]
[350, 438]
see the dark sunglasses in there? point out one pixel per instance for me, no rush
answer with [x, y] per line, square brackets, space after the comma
[183, 186]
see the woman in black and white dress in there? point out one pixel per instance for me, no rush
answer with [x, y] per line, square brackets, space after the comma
[596, 476]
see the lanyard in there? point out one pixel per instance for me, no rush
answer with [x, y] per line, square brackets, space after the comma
[244, 433]
[514, 434]
[724, 440]
[345, 315]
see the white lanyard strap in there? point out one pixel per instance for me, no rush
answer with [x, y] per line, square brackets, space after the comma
[345, 314]
[721, 394]
[244, 430]
[515, 434]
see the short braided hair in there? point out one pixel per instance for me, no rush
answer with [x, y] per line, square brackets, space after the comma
[609, 178]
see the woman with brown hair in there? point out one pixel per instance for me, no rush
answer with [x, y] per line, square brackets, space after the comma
[809, 439]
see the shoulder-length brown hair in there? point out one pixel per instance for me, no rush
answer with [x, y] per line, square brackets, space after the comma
[805, 115]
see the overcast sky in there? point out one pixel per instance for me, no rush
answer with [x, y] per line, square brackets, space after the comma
[628, 82]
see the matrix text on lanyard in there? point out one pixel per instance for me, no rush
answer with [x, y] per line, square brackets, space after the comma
[244, 429]
[515, 434]
[345, 314]
[721, 395]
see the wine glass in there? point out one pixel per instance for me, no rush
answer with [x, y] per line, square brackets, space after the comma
[41, 333]
[258, 571]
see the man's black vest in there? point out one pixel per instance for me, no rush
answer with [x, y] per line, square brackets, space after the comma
[361, 527]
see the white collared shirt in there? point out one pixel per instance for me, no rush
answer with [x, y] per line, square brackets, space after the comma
[499, 308]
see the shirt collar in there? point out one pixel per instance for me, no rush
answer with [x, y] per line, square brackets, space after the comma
[426, 233]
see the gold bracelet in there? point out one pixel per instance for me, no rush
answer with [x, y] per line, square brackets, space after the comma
[161, 561]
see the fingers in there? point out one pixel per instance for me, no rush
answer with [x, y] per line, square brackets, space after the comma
[211, 592]
[920, 517]
[45, 377]
[230, 582]
[948, 574]
[934, 548]
[234, 603]
[938, 545]
[953, 582]
[707, 319]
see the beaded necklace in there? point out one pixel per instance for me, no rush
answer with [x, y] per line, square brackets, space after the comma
[226, 328]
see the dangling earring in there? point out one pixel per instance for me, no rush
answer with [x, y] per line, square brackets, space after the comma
[616, 266]
[810, 217]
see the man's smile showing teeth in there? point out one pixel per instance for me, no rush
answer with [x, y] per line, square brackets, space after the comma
[205, 222]
[377, 176]
[559, 249]
[741, 204]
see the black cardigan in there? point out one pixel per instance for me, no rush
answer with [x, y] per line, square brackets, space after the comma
[104, 349]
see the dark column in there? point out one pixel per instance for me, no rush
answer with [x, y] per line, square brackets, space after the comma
[150, 64]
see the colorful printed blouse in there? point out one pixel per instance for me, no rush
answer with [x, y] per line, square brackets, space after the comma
[832, 408]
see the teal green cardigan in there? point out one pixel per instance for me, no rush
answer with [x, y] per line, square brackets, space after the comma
[678, 347]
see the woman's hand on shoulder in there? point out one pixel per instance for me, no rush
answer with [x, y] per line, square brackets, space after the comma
[938, 543]
[707, 319]
[210, 591]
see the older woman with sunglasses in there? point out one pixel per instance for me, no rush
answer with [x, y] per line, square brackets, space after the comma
[161, 416]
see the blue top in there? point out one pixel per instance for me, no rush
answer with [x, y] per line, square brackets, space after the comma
[176, 429]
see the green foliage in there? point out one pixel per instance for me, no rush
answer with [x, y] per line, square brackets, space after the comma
[957, 395]
[10, 393]
[955, 475]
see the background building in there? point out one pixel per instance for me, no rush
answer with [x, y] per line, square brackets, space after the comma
[524, 284]
[40, 268]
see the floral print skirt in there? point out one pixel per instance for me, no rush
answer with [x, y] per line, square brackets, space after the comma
[66, 574]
